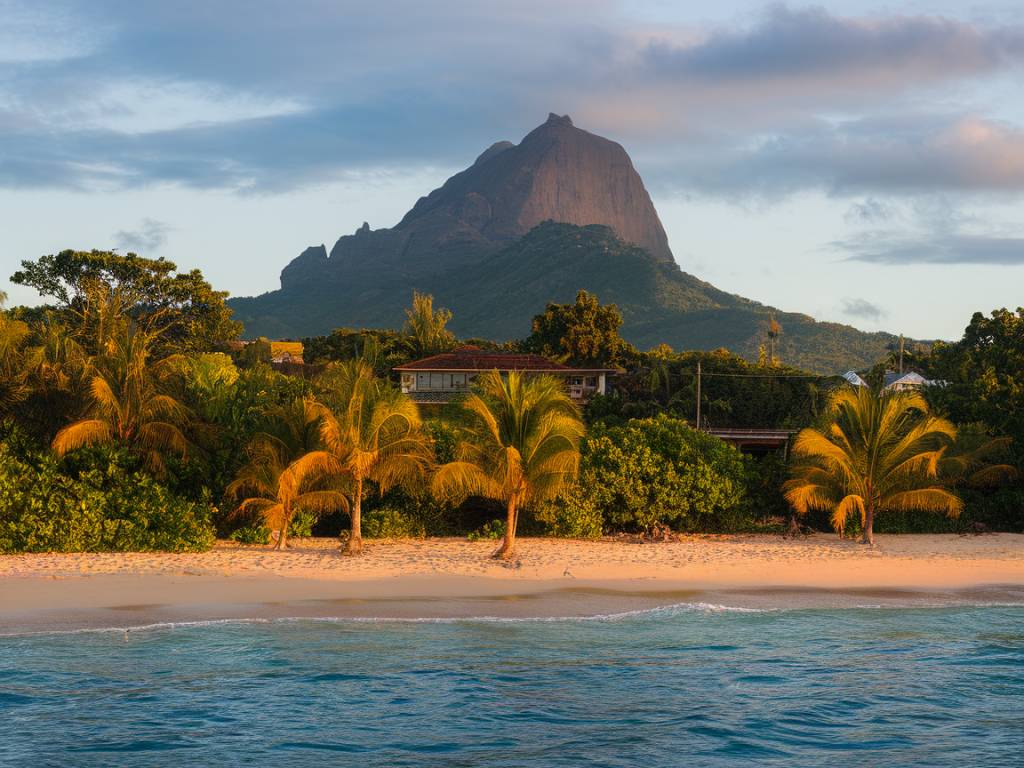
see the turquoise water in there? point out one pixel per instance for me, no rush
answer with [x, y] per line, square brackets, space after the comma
[689, 685]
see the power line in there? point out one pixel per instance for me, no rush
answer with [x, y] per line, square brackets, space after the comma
[761, 375]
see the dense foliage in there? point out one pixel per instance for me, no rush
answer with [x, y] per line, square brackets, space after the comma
[139, 426]
[102, 501]
[649, 472]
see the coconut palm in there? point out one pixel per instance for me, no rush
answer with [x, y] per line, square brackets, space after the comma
[374, 432]
[518, 443]
[286, 471]
[14, 385]
[426, 327]
[974, 459]
[877, 453]
[129, 405]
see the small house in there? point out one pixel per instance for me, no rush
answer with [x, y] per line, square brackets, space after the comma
[441, 378]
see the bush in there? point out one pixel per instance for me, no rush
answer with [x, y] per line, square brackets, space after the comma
[651, 471]
[99, 501]
[251, 534]
[491, 531]
[391, 523]
[571, 515]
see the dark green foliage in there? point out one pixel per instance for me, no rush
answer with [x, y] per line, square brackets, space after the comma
[585, 333]
[99, 502]
[497, 294]
[387, 522]
[251, 534]
[383, 349]
[190, 315]
[734, 392]
[489, 531]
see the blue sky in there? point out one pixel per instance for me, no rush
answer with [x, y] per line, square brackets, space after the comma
[861, 162]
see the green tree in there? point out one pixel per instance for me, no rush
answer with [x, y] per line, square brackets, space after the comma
[374, 433]
[14, 386]
[286, 471]
[129, 405]
[876, 453]
[660, 471]
[93, 289]
[518, 444]
[584, 333]
[425, 326]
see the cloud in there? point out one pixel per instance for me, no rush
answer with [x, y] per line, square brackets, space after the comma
[149, 237]
[814, 44]
[863, 309]
[948, 249]
[214, 95]
[913, 154]
[869, 211]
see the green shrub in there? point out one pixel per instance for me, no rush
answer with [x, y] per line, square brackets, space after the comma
[657, 470]
[391, 523]
[301, 526]
[491, 531]
[571, 515]
[251, 534]
[98, 502]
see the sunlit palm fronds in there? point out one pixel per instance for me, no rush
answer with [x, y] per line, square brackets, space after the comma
[128, 406]
[287, 471]
[518, 444]
[878, 453]
[375, 434]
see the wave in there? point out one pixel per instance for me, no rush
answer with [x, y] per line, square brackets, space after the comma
[659, 612]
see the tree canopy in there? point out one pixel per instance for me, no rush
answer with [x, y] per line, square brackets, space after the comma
[94, 288]
[583, 333]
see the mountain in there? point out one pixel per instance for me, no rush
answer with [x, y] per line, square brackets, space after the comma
[524, 225]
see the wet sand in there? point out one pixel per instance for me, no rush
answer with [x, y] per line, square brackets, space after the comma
[453, 578]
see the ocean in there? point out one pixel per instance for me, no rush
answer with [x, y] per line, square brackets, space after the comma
[686, 685]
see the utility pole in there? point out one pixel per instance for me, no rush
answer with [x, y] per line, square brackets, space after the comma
[901, 354]
[698, 394]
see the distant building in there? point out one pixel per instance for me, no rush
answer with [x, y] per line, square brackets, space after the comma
[286, 352]
[439, 379]
[899, 382]
[895, 382]
[854, 378]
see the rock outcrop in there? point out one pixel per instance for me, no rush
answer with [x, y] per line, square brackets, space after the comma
[558, 172]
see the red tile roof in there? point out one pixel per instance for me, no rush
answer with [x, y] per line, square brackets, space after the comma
[476, 359]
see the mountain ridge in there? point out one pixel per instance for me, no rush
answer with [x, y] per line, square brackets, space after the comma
[493, 244]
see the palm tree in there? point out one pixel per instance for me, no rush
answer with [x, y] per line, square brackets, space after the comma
[518, 444]
[426, 327]
[13, 361]
[774, 331]
[877, 453]
[286, 472]
[974, 459]
[129, 405]
[374, 433]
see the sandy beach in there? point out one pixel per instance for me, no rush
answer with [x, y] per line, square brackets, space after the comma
[455, 578]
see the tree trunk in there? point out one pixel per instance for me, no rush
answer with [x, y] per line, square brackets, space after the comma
[282, 536]
[508, 549]
[355, 538]
[869, 526]
[794, 527]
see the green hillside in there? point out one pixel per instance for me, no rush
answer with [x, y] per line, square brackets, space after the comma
[497, 297]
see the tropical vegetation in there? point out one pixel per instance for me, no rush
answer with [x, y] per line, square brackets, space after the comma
[132, 417]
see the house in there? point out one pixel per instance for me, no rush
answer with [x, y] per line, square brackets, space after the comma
[440, 378]
[854, 378]
[895, 382]
[286, 352]
[898, 382]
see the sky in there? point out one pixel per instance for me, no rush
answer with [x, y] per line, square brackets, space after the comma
[860, 162]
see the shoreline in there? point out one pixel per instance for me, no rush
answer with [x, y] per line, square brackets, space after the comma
[455, 579]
